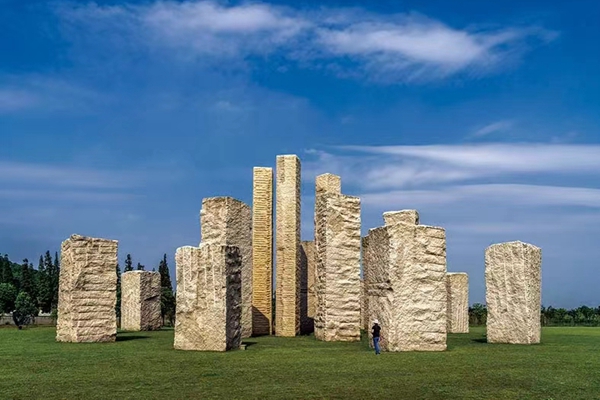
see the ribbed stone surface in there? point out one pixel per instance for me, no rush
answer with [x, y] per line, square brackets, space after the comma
[363, 306]
[457, 287]
[405, 284]
[140, 301]
[307, 287]
[338, 268]
[228, 221]
[87, 290]
[262, 253]
[513, 278]
[394, 217]
[287, 240]
[209, 298]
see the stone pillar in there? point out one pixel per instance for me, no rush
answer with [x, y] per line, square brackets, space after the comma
[209, 298]
[228, 221]
[307, 287]
[262, 253]
[140, 301]
[394, 217]
[338, 268]
[457, 288]
[87, 290]
[287, 310]
[513, 278]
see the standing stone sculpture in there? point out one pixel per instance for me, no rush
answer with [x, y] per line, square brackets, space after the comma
[228, 221]
[140, 301]
[287, 310]
[405, 283]
[513, 275]
[457, 288]
[87, 290]
[209, 298]
[337, 244]
[307, 287]
[262, 253]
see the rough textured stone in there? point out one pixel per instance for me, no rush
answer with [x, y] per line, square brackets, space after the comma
[209, 298]
[405, 284]
[394, 217]
[307, 287]
[262, 253]
[363, 306]
[140, 301]
[288, 272]
[228, 221]
[457, 287]
[87, 290]
[338, 268]
[513, 278]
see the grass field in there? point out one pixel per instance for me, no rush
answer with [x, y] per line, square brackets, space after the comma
[143, 365]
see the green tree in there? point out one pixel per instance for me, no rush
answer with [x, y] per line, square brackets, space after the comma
[8, 295]
[25, 310]
[44, 283]
[128, 264]
[6, 273]
[54, 277]
[26, 279]
[140, 267]
[167, 298]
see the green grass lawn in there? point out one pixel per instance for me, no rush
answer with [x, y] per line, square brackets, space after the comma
[144, 365]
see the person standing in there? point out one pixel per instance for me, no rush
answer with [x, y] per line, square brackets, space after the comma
[376, 331]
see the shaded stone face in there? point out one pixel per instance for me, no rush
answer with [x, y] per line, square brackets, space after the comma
[262, 253]
[209, 298]
[287, 310]
[457, 288]
[307, 287]
[228, 221]
[338, 268]
[87, 290]
[513, 274]
[140, 301]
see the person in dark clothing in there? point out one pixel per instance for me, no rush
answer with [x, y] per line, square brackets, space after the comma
[376, 331]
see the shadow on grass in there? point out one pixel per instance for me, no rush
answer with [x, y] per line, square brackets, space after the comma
[480, 340]
[248, 344]
[131, 337]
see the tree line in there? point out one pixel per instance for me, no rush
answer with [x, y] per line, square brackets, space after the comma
[25, 291]
[549, 316]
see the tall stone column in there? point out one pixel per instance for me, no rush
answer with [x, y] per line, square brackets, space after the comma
[87, 290]
[140, 301]
[287, 309]
[209, 298]
[307, 287]
[457, 288]
[262, 253]
[513, 280]
[228, 221]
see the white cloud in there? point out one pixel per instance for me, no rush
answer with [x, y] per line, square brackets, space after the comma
[13, 100]
[498, 126]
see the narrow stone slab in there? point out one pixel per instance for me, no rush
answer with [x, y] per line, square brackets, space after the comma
[262, 253]
[407, 216]
[228, 221]
[209, 298]
[307, 287]
[513, 279]
[140, 301]
[287, 240]
[87, 290]
[457, 288]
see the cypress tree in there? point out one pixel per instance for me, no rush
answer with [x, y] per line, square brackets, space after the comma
[128, 264]
[26, 279]
[140, 267]
[167, 298]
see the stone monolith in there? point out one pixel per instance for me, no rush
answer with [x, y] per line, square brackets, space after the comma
[209, 298]
[513, 275]
[87, 290]
[457, 288]
[228, 221]
[287, 240]
[140, 301]
[307, 286]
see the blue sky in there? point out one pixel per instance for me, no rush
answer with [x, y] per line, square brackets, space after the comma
[117, 118]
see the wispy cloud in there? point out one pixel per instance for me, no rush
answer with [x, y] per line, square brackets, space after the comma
[14, 100]
[350, 42]
[494, 127]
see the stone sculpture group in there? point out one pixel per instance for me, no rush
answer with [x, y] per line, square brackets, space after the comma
[224, 286]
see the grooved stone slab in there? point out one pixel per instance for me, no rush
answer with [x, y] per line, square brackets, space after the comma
[140, 301]
[513, 279]
[228, 221]
[288, 276]
[262, 253]
[338, 268]
[307, 287]
[87, 290]
[394, 217]
[209, 298]
[457, 287]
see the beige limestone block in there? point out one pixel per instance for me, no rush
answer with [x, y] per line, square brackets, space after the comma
[394, 217]
[87, 290]
[140, 301]
[228, 221]
[287, 241]
[513, 278]
[262, 253]
[307, 287]
[457, 287]
[338, 269]
[209, 298]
